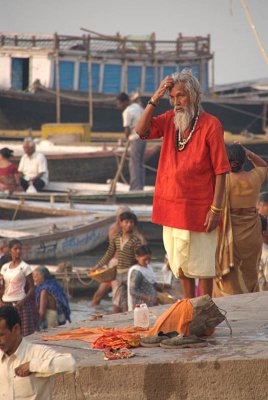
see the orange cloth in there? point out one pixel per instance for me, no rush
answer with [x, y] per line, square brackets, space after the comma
[176, 318]
[117, 340]
[90, 335]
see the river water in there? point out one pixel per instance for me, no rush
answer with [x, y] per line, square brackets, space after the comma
[81, 308]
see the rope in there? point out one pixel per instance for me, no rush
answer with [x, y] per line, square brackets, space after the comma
[75, 98]
[234, 109]
[226, 320]
[254, 30]
[81, 280]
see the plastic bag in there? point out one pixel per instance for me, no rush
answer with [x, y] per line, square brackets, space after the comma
[31, 189]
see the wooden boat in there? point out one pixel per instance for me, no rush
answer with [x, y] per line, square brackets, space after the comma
[57, 237]
[88, 193]
[87, 163]
[26, 209]
[77, 71]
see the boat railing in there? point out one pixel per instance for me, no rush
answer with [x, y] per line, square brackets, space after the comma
[183, 46]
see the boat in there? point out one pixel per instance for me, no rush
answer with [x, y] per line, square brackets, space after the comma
[28, 209]
[61, 78]
[87, 162]
[88, 193]
[56, 237]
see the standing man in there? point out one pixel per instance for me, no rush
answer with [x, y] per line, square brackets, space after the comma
[32, 167]
[190, 180]
[131, 113]
[25, 368]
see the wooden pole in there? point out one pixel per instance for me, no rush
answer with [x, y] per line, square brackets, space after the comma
[213, 74]
[119, 170]
[57, 62]
[264, 118]
[90, 97]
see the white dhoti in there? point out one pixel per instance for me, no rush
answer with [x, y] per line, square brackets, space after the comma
[192, 252]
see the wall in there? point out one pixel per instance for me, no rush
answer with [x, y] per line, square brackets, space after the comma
[40, 69]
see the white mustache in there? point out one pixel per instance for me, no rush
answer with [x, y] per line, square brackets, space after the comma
[179, 109]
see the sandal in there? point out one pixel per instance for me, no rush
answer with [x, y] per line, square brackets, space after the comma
[155, 341]
[181, 342]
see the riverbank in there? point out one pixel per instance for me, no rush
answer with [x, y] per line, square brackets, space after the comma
[230, 368]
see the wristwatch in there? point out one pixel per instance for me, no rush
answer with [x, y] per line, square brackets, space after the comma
[152, 103]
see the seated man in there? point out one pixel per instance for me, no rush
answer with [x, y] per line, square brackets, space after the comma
[25, 368]
[32, 167]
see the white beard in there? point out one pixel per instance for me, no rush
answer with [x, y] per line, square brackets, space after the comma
[182, 119]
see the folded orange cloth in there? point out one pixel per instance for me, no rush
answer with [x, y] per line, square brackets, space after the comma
[117, 340]
[175, 318]
[90, 335]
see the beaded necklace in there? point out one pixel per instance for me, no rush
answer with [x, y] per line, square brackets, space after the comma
[180, 141]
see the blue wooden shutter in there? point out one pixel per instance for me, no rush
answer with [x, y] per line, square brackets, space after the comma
[150, 84]
[134, 78]
[168, 70]
[66, 75]
[112, 78]
[83, 77]
[17, 73]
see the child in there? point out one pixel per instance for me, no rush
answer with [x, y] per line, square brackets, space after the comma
[123, 245]
[142, 284]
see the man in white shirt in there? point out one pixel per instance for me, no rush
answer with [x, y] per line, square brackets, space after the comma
[32, 167]
[26, 368]
[131, 113]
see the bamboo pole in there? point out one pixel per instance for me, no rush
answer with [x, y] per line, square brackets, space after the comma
[90, 96]
[57, 62]
[119, 170]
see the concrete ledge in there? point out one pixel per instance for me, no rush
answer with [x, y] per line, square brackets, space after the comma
[230, 368]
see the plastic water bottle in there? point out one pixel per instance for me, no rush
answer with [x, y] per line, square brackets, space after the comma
[141, 316]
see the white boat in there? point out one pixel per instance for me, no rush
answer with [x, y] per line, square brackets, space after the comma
[142, 211]
[45, 238]
[88, 192]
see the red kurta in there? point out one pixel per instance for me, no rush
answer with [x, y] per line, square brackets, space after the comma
[185, 180]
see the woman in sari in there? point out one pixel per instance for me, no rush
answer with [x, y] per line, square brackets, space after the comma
[51, 300]
[240, 239]
[9, 175]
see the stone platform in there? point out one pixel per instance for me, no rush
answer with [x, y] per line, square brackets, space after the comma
[230, 368]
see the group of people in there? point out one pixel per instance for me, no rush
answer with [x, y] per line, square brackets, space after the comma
[30, 175]
[29, 301]
[135, 280]
[214, 230]
[39, 299]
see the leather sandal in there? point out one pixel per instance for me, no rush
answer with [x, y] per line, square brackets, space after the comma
[181, 342]
[155, 341]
